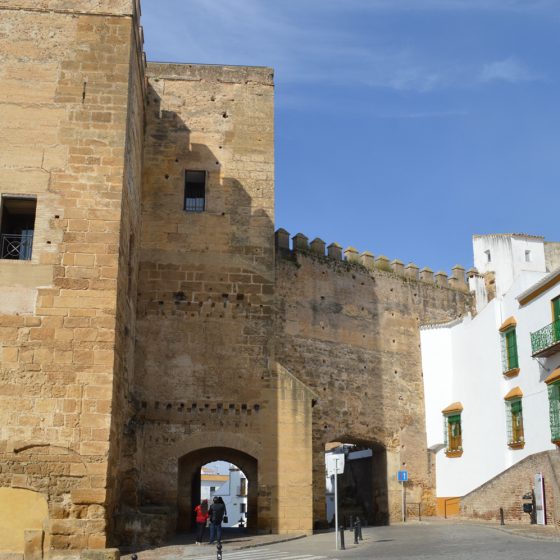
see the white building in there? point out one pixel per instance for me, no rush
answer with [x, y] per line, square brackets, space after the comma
[492, 380]
[234, 491]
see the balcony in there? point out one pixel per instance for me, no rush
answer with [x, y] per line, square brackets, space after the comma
[16, 246]
[546, 341]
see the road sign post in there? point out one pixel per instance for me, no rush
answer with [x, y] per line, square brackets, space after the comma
[402, 477]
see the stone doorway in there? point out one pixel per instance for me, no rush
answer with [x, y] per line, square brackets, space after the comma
[189, 483]
[362, 488]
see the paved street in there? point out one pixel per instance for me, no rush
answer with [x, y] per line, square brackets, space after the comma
[418, 541]
[413, 541]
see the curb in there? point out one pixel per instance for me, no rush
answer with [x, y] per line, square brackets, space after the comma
[277, 541]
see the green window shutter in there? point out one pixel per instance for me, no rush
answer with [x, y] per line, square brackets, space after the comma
[556, 309]
[554, 409]
[454, 418]
[508, 422]
[511, 344]
[516, 407]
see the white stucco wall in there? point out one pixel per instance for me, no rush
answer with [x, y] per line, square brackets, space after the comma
[462, 362]
[508, 257]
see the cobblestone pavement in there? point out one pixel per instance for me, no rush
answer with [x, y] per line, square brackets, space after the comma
[413, 540]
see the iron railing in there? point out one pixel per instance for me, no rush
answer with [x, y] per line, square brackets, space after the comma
[16, 245]
[546, 337]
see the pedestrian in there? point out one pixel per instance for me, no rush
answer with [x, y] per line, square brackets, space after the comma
[201, 512]
[217, 513]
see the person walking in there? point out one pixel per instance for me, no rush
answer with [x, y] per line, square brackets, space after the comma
[201, 512]
[217, 513]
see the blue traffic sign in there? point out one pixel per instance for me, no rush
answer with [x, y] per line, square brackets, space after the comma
[402, 476]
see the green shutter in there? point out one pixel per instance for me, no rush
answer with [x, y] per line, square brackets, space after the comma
[554, 408]
[511, 344]
[556, 309]
[516, 407]
[454, 418]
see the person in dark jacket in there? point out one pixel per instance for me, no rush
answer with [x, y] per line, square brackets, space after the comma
[216, 512]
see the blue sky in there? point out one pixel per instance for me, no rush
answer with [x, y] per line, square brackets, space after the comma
[403, 127]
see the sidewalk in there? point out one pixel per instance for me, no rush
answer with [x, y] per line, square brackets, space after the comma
[186, 548]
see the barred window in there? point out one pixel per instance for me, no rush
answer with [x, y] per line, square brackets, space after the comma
[195, 191]
[510, 359]
[17, 225]
[554, 411]
[514, 419]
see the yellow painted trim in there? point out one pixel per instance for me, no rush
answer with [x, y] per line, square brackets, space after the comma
[454, 454]
[214, 477]
[455, 407]
[516, 445]
[540, 290]
[554, 376]
[515, 393]
[512, 372]
[509, 323]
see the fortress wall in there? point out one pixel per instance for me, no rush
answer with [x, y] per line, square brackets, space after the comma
[351, 334]
[206, 283]
[64, 104]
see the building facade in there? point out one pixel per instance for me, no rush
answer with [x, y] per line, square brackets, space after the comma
[490, 380]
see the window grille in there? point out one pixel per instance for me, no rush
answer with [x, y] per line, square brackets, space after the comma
[195, 191]
[452, 432]
[514, 421]
[510, 359]
[554, 409]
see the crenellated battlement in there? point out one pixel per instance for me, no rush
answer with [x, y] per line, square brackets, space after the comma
[300, 244]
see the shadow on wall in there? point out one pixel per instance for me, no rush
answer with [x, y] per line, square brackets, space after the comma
[186, 368]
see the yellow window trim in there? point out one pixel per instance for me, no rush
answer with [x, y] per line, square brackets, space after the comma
[515, 393]
[554, 376]
[509, 323]
[455, 407]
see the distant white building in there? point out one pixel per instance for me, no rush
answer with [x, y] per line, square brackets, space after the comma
[492, 380]
[232, 488]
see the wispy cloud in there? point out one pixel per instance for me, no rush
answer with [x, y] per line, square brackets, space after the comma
[305, 43]
[507, 70]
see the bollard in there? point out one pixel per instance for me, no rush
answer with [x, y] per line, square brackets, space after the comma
[360, 529]
[356, 532]
[341, 530]
[502, 516]
[219, 551]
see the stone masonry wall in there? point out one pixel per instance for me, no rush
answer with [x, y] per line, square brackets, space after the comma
[206, 283]
[506, 491]
[64, 79]
[349, 330]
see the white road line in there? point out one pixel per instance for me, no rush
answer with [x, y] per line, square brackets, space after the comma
[261, 555]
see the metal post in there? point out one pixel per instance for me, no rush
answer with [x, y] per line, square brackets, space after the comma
[360, 529]
[356, 533]
[342, 547]
[502, 516]
[219, 551]
[402, 503]
[336, 500]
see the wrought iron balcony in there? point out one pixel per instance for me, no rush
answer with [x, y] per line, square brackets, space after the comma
[546, 341]
[16, 246]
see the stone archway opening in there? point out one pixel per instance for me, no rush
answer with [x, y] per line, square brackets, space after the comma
[362, 487]
[189, 484]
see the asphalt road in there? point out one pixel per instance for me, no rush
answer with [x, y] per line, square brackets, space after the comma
[416, 541]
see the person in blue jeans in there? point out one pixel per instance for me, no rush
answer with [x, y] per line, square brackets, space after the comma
[216, 513]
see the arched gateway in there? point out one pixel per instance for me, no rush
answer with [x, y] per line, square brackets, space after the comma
[188, 491]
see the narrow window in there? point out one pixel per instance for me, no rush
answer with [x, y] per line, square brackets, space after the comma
[514, 419]
[488, 255]
[510, 359]
[454, 436]
[243, 487]
[16, 227]
[195, 191]
[527, 256]
[243, 508]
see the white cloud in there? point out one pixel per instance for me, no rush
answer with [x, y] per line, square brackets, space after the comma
[507, 70]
